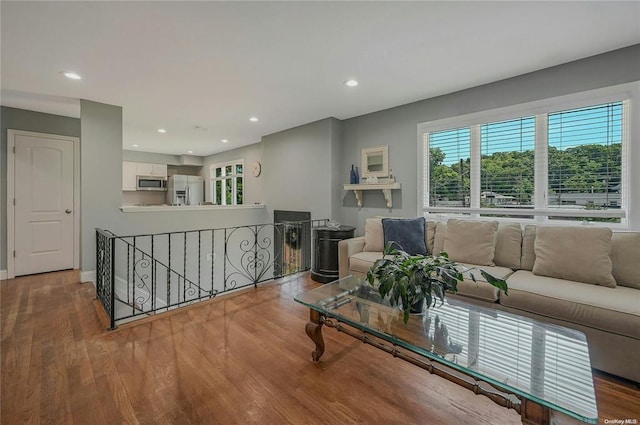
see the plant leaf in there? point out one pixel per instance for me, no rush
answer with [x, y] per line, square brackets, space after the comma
[498, 283]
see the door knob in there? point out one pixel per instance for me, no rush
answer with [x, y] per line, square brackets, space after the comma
[68, 211]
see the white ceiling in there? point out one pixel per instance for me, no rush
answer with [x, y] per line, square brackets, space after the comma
[175, 65]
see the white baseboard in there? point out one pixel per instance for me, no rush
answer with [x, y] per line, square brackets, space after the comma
[3, 275]
[88, 276]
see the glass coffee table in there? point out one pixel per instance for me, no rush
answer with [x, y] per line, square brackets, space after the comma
[540, 370]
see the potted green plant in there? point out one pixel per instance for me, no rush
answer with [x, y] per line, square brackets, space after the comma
[412, 280]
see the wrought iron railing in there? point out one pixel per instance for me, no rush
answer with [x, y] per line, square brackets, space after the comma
[140, 275]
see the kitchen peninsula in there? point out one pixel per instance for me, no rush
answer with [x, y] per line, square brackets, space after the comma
[178, 208]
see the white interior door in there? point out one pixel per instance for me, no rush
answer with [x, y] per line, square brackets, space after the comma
[44, 202]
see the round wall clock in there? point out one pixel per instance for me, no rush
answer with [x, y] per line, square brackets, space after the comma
[256, 168]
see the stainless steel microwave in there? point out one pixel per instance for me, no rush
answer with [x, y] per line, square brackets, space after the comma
[153, 183]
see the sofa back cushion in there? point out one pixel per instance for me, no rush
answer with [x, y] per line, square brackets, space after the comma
[528, 251]
[405, 234]
[373, 235]
[440, 236]
[574, 253]
[471, 242]
[508, 245]
[430, 235]
[625, 256]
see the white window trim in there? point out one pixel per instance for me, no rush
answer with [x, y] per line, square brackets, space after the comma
[233, 176]
[629, 93]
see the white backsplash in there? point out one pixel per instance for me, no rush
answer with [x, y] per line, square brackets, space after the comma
[142, 197]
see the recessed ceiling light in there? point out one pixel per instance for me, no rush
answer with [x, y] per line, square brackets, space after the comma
[135, 146]
[189, 151]
[162, 130]
[224, 141]
[351, 83]
[72, 76]
[253, 119]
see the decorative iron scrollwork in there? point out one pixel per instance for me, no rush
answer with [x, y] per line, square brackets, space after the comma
[254, 259]
[140, 278]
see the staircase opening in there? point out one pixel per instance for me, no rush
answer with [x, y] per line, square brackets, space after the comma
[141, 275]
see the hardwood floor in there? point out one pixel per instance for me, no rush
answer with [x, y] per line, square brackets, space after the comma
[239, 359]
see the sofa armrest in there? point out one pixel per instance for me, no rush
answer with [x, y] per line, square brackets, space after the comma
[346, 248]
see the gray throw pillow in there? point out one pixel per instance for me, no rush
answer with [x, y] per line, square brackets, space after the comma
[405, 234]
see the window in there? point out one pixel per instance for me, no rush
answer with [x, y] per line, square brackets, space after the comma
[449, 165]
[227, 184]
[507, 163]
[549, 164]
[585, 157]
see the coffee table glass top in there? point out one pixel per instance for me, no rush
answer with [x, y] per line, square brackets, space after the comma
[545, 363]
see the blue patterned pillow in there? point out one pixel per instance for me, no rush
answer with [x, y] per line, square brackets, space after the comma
[405, 234]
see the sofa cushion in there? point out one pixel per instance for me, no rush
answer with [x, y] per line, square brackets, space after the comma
[615, 310]
[481, 289]
[373, 236]
[471, 241]
[361, 262]
[574, 253]
[430, 235]
[508, 245]
[440, 236]
[528, 251]
[405, 234]
[625, 256]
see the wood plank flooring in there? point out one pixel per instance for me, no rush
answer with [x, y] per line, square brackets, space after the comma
[241, 359]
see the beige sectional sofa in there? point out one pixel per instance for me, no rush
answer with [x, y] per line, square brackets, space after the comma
[582, 277]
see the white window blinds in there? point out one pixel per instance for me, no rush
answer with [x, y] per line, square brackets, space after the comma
[507, 163]
[585, 151]
[449, 167]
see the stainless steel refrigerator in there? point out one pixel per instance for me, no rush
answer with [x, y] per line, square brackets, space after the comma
[185, 190]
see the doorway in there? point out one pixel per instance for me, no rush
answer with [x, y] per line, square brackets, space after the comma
[43, 217]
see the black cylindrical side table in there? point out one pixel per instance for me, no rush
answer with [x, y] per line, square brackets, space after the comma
[325, 264]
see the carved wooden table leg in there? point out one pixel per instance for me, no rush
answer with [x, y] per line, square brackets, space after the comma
[314, 331]
[533, 413]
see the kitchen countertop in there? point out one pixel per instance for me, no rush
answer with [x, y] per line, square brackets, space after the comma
[176, 208]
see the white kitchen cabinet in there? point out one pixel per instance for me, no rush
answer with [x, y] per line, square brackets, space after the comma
[144, 168]
[149, 169]
[159, 170]
[132, 169]
[129, 173]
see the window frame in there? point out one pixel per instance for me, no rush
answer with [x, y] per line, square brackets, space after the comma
[626, 93]
[223, 179]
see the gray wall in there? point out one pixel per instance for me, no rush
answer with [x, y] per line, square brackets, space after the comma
[338, 174]
[175, 221]
[397, 127]
[101, 173]
[252, 185]
[184, 170]
[20, 119]
[297, 169]
[155, 158]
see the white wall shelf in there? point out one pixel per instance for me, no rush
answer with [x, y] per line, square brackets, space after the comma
[386, 189]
